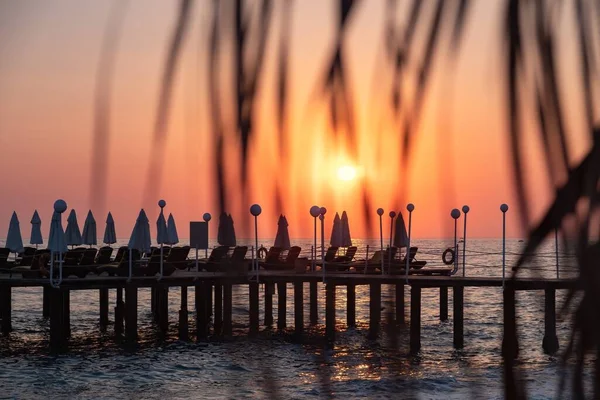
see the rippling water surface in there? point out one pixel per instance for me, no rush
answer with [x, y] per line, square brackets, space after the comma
[98, 366]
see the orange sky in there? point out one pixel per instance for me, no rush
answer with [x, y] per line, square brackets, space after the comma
[48, 58]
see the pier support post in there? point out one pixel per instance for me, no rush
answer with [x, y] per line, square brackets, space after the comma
[254, 308]
[458, 316]
[510, 348]
[6, 309]
[46, 302]
[227, 309]
[163, 309]
[208, 287]
[119, 311]
[67, 313]
[374, 309]
[131, 303]
[183, 315]
[550, 341]
[400, 304]
[444, 303]
[314, 313]
[201, 311]
[415, 319]
[351, 305]
[103, 300]
[281, 305]
[57, 337]
[218, 312]
[269, 290]
[330, 312]
[298, 307]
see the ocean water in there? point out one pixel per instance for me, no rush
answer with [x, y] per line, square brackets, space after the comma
[275, 364]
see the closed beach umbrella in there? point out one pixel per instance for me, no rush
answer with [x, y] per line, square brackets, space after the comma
[400, 235]
[172, 230]
[336, 232]
[162, 236]
[231, 232]
[345, 228]
[72, 233]
[14, 241]
[89, 230]
[140, 238]
[282, 239]
[110, 235]
[36, 230]
[57, 241]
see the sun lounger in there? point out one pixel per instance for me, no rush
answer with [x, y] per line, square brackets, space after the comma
[122, 267]
[283, 265]
[33, 271]
[216, 256]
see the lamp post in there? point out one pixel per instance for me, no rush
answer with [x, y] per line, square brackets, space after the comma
[380, 213]
[322, 212]
[55, 244]
[455, 214]
[162, 204]
[206, 217]
[392, 215]
[315, 211]
[255, 210]
[504, 209]
[465, 210]
[410, 207]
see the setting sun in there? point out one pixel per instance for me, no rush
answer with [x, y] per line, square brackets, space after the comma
[346, 173]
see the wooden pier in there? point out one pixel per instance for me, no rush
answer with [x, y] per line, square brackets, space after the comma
[56, 302]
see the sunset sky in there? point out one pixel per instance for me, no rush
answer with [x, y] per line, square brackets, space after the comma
[49, 53]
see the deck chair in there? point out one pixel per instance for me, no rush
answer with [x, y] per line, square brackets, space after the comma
[349, 256]
[27, 256]
[122, 267]
[273, 255]
[31, 271]
[216, 257]
[413, 263]
[104, 255]
[288, 264]
[73, 256]
[120, 252]
[237, 261]
[4, 253]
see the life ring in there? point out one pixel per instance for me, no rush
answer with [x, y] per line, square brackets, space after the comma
[446, 252]
[262, 252]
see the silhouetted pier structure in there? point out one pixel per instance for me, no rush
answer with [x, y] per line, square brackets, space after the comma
[214, 292]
